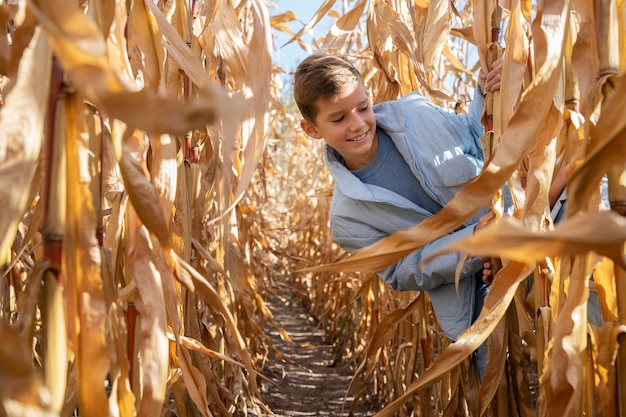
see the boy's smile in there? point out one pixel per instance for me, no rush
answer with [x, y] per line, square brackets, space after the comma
[347, 123]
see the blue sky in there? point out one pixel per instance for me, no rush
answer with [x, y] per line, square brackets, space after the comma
[290, 55]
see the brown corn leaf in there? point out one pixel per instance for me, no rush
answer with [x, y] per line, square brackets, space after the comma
[21, 123]
[117, 343]
[496, 304]
[196, 283]
[607, 148]
[564, 376]
[25, 395]
[179, 50]
[144, 198]
[5, 49]
[509, 239]
[152, 346]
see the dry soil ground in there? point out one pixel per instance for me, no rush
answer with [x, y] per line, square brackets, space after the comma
[307, 385]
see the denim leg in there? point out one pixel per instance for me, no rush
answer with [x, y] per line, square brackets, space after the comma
[480, 356]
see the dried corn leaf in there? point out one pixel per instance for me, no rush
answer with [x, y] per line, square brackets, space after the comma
[278, 22]
[22, 123]
[607, 148]
[434, 33]
[605, 341]
[317, 16]
[196, 283]
[564, 377]
[509, 239]
[25, 395]
[82, 261]
[496, 305]
[151, 343]
[81, 51]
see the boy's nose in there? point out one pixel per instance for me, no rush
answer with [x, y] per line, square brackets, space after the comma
[356, 123]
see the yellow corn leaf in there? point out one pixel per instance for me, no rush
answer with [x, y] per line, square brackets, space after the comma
[230, 40]
[481, 27]
[103, 13]
[435, 31]
[605, 341]
[496, 304]
[578, 234]
[605, 284]
[25, 25]
[515, 60]
[278, 22]
[319, 14]
[344, 28]
[21, 123]
[348, 21]
[255, 126]
[458, 65]
[541, 162]
[147, 55]
[466, 33]
[178, 49]
[82, 53]
[607, 148]
[193, 344]
[564, 378]
[82, 261]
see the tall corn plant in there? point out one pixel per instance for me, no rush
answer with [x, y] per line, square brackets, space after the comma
[132, 282]
[559, 108]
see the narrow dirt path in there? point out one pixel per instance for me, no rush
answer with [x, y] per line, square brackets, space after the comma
[309, 386]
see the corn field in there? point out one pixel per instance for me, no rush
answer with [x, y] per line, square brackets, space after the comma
[157, 192]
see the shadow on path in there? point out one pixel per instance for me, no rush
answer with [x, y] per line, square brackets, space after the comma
[309, 386]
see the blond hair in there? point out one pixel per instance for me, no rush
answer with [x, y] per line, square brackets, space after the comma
[322, 76]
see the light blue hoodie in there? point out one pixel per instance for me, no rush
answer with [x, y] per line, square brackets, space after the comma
[443, 151]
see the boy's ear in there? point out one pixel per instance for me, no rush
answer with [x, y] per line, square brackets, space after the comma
[310, 129]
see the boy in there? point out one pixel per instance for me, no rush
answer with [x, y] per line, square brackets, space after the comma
[394, 165]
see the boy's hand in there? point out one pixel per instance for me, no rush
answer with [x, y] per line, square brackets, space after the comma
[483, 221]
[488, 272]
[490, 82]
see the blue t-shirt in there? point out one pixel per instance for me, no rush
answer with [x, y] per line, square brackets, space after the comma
[389, 170]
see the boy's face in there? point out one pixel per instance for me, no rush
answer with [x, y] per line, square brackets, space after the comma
[347, 123]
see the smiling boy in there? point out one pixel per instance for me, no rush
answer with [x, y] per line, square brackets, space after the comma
[394, 165]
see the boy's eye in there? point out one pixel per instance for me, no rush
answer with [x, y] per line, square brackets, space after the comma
[362, 109]
[337, 120]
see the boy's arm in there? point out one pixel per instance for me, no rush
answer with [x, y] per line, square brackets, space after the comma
[406, 274]
[440, 270]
